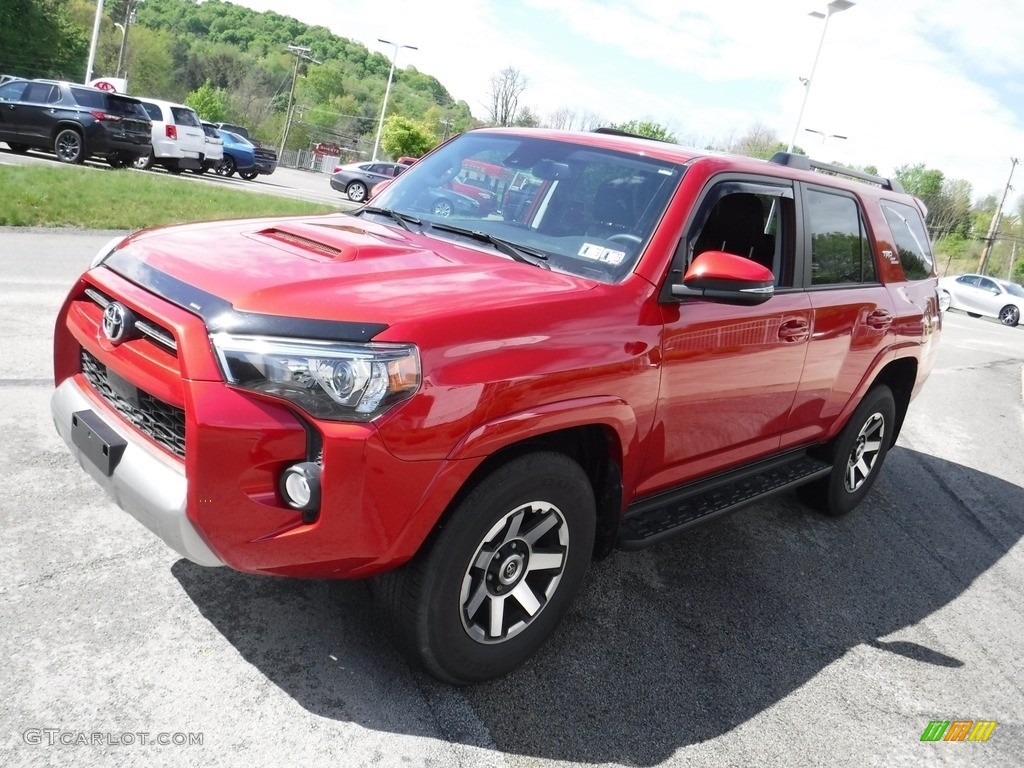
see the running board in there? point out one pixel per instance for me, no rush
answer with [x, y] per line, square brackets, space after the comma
[653, 519]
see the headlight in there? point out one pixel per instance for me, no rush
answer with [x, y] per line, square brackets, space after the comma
[106, 250]
[328, 380]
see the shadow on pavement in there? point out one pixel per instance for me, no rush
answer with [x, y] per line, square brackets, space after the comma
[664, 648]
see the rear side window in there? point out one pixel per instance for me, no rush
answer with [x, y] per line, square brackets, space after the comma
[185, 116]
[840, 249]
[41, 93]
[911, 238]
[153, 111]
[91, 98]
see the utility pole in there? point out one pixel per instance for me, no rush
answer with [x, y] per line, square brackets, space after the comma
[300, 54]
[994, 226]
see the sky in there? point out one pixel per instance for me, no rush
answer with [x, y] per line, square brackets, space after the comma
[938, 82]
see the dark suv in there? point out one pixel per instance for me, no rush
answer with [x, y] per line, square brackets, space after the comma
[73, 121]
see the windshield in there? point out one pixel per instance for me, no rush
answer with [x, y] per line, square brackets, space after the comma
[586, 210]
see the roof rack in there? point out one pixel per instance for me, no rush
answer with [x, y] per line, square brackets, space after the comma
[618, 132]
[805, 163]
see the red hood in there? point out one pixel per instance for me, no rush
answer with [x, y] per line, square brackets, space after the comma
[340, 268]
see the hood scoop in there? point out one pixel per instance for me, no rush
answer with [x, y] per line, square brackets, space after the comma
[332, 242]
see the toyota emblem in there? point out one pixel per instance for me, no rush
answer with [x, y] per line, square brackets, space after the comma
[118, 322]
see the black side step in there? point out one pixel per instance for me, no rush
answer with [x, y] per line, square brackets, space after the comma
[653, 519]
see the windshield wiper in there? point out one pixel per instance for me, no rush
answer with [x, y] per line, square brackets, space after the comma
[402, 219]
[517, 252]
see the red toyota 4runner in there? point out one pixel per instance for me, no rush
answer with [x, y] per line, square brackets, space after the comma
[469, 408]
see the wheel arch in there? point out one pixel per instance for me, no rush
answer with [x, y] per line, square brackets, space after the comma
[900, 376]
[595, 447]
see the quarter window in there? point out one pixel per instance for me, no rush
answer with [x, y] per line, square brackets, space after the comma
[840, 249]
[911, 238]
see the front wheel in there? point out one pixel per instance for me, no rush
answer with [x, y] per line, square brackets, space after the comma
[857, 455]
[499, 576]
[69, 147]
[1009, 315]
[443, 207]
[144, 162]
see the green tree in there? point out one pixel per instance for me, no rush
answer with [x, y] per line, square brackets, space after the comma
[38, 38]
[759, 141]
[403, 137]
[209, 102]
[647, 129]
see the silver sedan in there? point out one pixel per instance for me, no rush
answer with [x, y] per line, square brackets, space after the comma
[980, 295]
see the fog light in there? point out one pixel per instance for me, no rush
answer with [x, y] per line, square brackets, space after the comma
[300, 487]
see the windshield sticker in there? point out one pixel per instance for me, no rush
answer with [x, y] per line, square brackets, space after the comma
[600, 253]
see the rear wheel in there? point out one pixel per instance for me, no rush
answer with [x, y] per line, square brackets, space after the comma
[1009, 315]
[227, 167]
[857, 455]
[356, 191]
[500, 574]
[248, 175]
[117, 160]
[69, 147]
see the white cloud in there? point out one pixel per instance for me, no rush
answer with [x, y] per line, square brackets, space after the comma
[931, 81]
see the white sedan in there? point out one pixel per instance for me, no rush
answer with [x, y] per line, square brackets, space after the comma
[980, 295]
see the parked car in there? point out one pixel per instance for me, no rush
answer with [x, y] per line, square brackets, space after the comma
[357, 180]
[469, 409]
[239, 155]
[264, 160]
[179, 142]
[978, 295]
[73, 121]
[214, 155]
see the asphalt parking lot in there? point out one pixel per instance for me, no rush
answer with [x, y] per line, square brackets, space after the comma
[772, 638]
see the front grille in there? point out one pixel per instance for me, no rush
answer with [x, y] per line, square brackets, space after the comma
[163, 422]
[153, 331]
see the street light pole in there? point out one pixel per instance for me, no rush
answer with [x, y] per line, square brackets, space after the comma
[834, 7]
[387, 91]
[129, 9]
[95, 39]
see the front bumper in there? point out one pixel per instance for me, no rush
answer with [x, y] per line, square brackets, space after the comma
[143, 483]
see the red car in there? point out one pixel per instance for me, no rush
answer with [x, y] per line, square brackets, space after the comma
[469, 407]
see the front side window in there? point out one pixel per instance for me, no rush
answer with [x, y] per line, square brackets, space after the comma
[911, 238]
[566, 204]
[752, 220]
[12, 91]
[840, 250]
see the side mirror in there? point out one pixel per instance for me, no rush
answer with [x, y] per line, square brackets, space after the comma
[379, 187]
[727, 278]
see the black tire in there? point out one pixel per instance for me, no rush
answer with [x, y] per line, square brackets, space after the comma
[857, 456]
[69, 147]
[173, 168]
[499, 575]
[443, 207]
[144, 162]
[117, 160]
[248, 175]
[356, 191]
[21, 149]
[227, 167]
[1009, 315]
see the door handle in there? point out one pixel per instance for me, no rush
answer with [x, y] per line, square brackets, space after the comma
[795, 329]
[880, 320]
